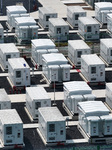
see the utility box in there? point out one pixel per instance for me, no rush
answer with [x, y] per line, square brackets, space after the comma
[73, 13]
[106, 50]
[14, 10]
[76, 48]
[39, 47]
[94, 110]
[65, 70]
[11, 127]
[52, 125]
[108, 94]
[109, 23]
[5, 102]
[88, 28]
[92, 68]
[44, 14]
[19, 72]
[25, 29]
[74, 92]
[1, 34]
[101, 11]
[58, 29]
[51, 67]
[8, 50]
[36, 97]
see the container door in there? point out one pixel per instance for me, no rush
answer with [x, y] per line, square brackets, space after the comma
[54, 74]
[66, 74]
[94, 129]
[37, 106]
[9, 137]
[60, 130]
[94, 73]
[18, 76]
[51, 132]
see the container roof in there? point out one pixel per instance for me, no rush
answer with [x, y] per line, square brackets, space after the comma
[3, 95]
[25, 21]
[40, 43]
[47, 10]
[109, 85]
[109, 15]
[88, 20]
[37, 93]
[106, 5]
[76, 86]
[92, 59]
[106, 117]
[93, 118]
[16, 8]
[78, 44]
[10, 116]
[8, 48]
[93, 106]
[58, 22]
[107, 42]
[51, 114]
[1, 27]
[18, 63]
[54, 57]
[76, 9]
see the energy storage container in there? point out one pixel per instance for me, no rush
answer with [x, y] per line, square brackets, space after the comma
[92, 68]
[44, 14]
[76, 48]
[106, 49]
[49, 61]
[109, 22]
[8, 50]
[11, 127]
[1, 34]
[108, 94]
[101, 11]
[58, 29]
[14, 9]
[73, 13]
[88, 28]
[52, 125]
[74, 92]
[5, 102]
[19, 72]
[36, 97]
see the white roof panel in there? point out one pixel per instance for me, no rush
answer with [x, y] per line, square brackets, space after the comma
[10, 116]
[16, 8]
[51, 114]
[92, 59]
[76, 9]
[93, 118]
[93, 106]
[37, 93]
[109, 85]
[9, 48]
[78, 44]
[25, 21]
[47, 10]
[106, 117]
[58, 22]
[88, 21]
[104, 5]
[107, 42]
[3, 95]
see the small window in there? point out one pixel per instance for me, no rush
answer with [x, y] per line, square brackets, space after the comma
[7, 57]
[79, 53]
[47, 18]
[37, 105]
[76, 17]
[93, 70]
[111, 53]
[51, 127]
[89, 29]
[18, 74]
[58, 30]
[8, 130]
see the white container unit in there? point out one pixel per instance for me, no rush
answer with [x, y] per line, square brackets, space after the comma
[101, 11]
[26, 28]
[36, 97]
[58, 29]
[5, 102]
[52, 69]
[74, 92]
[94, 110]
[14, 10]
[108, 94]
[76, 48]
[106, 50]
[1, 34]
[52, 125]
[44, 14]
[37, 46]
[109, 22]
[73, 13]
[8, 50]
[88, 28]
[92, 68]
[19, 72]
[11, 127]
